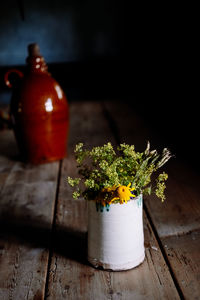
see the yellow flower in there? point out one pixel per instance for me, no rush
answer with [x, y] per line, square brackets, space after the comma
[119, 192]
[123, 193]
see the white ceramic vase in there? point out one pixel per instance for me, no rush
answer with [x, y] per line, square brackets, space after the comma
[115, 235]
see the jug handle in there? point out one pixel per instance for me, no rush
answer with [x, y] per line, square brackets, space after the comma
[6, 76]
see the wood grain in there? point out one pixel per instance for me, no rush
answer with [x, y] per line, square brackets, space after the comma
[70, 276]
[177, 220]
[180, 213]
[183, 255]
[26, 211]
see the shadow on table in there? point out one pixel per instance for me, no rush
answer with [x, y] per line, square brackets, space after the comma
[61, 240]
[9, 149]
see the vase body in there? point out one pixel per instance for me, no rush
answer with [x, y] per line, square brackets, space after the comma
[39, 113]
[115, 237]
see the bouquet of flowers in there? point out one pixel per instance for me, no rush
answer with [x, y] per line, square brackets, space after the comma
[108, 176]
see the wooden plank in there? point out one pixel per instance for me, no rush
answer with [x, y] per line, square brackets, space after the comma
[70, 276]
[26, 211]
[127, 124]
[183, 255]
[177, 220]
[179, 214]
[151, 280]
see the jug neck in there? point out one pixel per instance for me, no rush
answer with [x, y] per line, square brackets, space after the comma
[37, 64]
[35, 61]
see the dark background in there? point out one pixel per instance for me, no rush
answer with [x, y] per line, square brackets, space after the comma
[82, 41]
[145, 56]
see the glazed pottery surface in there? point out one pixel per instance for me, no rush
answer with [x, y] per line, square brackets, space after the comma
[39, 112]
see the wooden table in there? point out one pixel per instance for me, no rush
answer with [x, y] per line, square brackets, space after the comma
[43, 230]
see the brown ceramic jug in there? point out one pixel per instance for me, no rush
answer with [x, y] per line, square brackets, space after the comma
[39, 111]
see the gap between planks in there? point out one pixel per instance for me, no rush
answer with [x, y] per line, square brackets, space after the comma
[27, 206]
[50, 252]
[176, 283]
[177, 220]
[114, 128]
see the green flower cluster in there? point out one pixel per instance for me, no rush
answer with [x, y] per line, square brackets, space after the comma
[102, 167]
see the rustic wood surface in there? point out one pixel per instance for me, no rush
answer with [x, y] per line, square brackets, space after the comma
[176, 222]
[26, 212]
[44, 232]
